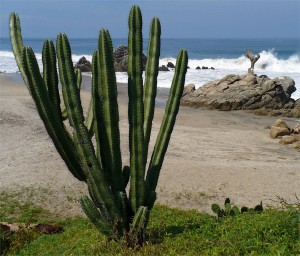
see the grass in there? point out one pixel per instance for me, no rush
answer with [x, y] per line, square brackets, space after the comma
[171, 232]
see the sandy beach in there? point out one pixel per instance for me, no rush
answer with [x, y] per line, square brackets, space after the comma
[212, 155]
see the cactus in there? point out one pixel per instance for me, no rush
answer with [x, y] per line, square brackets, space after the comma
[108, 206]
[232, 210]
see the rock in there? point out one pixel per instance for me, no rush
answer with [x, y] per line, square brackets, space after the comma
[296, 129]
[296, 145]
[188, 89]
[198, 67]
[212, 68]
[279, 128]
[203, 67]
[247, 92]
[288, 140]
[84, 65]
[170, 65]
[120, 55]
[163, 68]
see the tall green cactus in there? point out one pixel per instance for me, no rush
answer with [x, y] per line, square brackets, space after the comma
[109, 208]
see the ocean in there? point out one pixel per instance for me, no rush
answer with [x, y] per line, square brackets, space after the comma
[278, 57]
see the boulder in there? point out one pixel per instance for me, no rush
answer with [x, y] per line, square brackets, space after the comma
[288, 139]
[188, 89]
[296, 129]
[163, 68]
[84, 65]
[120, 55]
[247, 92]
[170, 65]
[198, 67]
[279, 128]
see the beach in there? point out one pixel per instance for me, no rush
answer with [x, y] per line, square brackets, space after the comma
[212, 155]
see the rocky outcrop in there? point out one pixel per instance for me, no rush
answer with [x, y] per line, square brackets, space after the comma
[84, 65]
[170, 65]
[163, 68]
[287, 135]
[246, 92]
[121, 59]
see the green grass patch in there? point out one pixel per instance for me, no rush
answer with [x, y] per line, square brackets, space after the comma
[170, 232]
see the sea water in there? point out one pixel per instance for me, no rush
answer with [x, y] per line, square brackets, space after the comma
[278, 57]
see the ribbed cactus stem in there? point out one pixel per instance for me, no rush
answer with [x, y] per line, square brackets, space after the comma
[53, 124]
[167, 125]
[17, 43]
[150, 87]
[50, 74]
[107, 113]
[136, 109]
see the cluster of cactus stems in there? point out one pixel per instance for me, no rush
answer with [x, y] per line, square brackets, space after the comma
[109, 208]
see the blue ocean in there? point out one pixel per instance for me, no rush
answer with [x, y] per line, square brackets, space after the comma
[278, 57]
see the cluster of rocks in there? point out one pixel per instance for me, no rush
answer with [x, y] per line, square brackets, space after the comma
[287, 135]
[120, 56]
[261, 94]
[203, 67]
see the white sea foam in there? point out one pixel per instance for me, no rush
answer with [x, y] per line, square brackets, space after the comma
[268, 64]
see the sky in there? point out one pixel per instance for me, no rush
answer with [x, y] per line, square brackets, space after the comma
[179, 18]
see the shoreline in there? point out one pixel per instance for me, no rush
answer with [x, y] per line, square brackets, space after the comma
[212, 155]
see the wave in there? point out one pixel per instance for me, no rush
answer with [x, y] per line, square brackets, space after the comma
[268, 61]
[268, 64]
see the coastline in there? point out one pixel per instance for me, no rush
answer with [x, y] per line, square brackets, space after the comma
[212, 155]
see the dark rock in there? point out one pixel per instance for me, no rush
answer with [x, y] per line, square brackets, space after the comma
[84, 65]
[163, 68]
[203, 67]
[170, 65]
[198, 67]
[120, 55]
[188, 67]
[247, 92]
[212, 68]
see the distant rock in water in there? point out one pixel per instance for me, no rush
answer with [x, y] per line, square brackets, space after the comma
[198, 67]
[170, 65]
[246, 92]
[163, 68]
[121, 59]
[84, 65]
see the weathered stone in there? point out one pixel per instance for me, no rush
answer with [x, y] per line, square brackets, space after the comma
[170, 65]
[296, 129]
[188, 89]
[288, 140]
[281, 123]
[279, 131]
[120, 55]
[247, 92]
[84, 65]
[163, 68]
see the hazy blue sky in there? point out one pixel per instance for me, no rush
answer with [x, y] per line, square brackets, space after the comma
[180, 19]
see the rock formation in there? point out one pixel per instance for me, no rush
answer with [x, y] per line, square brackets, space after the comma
[246, 92]
[84, 65]
[121, 59]
[287, 135]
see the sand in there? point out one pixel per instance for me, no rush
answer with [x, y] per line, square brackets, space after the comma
[212, 155]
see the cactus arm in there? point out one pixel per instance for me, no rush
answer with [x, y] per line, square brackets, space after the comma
[136, 109]
[17, 42]
[139, 223]
[150, 87]
[78, 78]
[96, 217]
[126, 175]
[89, 120]
[107, 113]
[168, 123]
[53, 125]
[75, 113]
[96, 104]
[50, 74]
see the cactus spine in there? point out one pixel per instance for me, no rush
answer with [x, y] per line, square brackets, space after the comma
[109, 208]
